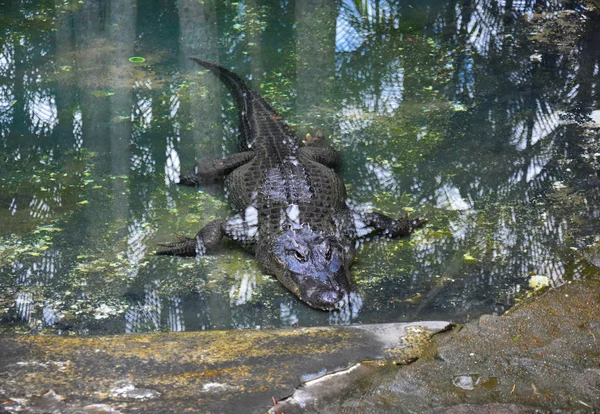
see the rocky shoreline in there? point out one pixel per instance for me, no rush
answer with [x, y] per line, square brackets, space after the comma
[541, 355]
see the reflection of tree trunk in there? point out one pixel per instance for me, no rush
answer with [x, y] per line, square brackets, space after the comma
[586, 98]
[198, 37]
[592, 48]
[65, 97]
[18, 90]
[461, 61]
[316, 25]
[253, 39]
[91, 58]
[588, 57]
[90, 74]
[508, 12]
[584, 78]
[121, 35]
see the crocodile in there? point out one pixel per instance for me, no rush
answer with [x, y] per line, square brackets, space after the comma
[290, 206]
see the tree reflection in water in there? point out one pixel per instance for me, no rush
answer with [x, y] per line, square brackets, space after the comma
[449, 108]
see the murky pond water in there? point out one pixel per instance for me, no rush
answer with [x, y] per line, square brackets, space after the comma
[473, 114]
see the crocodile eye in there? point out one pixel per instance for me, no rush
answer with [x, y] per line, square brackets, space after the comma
[301, 258]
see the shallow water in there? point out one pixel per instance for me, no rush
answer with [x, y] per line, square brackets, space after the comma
[462, 112]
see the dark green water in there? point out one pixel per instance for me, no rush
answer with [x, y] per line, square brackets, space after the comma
[469, 113]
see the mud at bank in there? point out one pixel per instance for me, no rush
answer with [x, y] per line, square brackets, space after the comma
[544, 354]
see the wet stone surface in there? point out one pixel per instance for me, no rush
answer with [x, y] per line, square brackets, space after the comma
[543, 355]
[219, 371]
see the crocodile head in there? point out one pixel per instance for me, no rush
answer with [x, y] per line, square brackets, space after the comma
[312, 265]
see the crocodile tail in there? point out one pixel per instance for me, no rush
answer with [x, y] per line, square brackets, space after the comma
[234, 83]
[257, 117]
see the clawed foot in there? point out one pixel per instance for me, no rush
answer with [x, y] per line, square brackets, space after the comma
[418, 222]
[313, 141]
[406, 226]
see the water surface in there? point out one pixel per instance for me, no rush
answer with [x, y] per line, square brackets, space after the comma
[469, 113]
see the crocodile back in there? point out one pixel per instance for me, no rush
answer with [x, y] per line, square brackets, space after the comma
[287, 193]
[281, 185]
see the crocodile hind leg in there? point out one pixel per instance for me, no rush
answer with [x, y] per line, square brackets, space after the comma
[323, 155]
[317, 149]
[210, 170]
[207, 239]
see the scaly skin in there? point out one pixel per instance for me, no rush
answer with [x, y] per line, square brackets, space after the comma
[290, 205]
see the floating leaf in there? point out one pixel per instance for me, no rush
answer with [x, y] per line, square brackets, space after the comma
[536, 58]
[458, 107]
[468, 258]
[137, 59]
[414, 299]
[102, 94]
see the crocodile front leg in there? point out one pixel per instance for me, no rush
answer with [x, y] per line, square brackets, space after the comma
[241, 227]
[210, 170]
[370, 224]
[207, 239]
